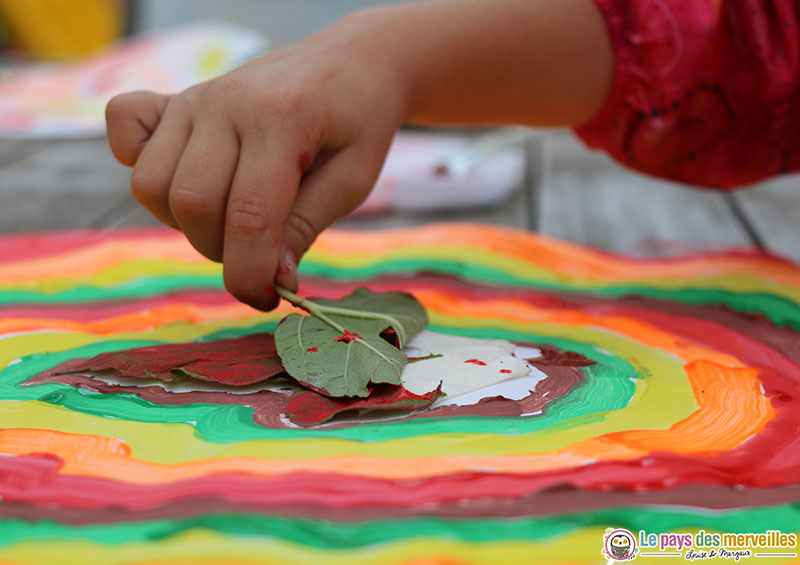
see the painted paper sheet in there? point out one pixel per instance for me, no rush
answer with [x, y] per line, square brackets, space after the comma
[670, 404]
[68, 100]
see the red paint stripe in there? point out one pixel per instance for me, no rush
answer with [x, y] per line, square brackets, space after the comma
[19, 247]
[102, 309]
[34, 479]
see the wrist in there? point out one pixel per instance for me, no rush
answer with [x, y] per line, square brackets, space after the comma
[379, 38]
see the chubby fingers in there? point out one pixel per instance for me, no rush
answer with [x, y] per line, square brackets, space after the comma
[240, 194]
[201, 185]
[131, 119]
[156, 166]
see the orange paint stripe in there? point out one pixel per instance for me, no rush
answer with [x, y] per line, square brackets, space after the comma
[730, 398]
[558, 256]
[98, 456]
[25, 441]
[503, 312]
[91, 259]
[145, 320]
[554, 255]
[133, 322]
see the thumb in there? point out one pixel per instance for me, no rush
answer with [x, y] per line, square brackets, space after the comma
[325, 195]
[130, 121]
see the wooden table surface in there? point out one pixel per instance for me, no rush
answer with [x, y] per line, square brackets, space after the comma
[571, 193]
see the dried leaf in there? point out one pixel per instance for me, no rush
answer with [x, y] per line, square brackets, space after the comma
[308, 408]
[236, 362]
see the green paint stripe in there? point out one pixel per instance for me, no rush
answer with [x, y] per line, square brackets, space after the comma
[341, 535]
[608, 387]
[780, 310]
[136, 288]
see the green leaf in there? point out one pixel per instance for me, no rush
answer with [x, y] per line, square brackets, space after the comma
[409, 317]
[338, 349]
[310, 352]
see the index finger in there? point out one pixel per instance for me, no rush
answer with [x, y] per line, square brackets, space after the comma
[263, 191]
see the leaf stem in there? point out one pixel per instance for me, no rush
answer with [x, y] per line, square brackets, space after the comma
[309, 306]
[320, 310]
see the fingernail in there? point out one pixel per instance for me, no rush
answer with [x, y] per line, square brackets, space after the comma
[287, 271]
[289, 260]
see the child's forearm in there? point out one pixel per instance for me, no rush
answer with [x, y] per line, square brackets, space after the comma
[539, 62]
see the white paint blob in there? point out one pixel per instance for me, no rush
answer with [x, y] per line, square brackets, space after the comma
[465, 365]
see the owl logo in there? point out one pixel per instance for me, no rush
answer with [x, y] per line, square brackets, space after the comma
[619, 545]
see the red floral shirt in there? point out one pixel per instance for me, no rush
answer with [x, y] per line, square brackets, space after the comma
[705, 92]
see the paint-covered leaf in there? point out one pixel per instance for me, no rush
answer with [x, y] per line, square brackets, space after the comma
[237, 362]
[337, 363]
[344, 345]
[308, 408]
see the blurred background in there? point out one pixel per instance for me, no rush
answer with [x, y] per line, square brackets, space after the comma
[61, 60]
[58, 29]
[283, 21]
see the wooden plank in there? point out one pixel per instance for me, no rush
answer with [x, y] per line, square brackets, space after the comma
[586, 198]
[79, 184]
[125, 212]
[772, 209]
[65, 185]
[12, 150]
[513, 213]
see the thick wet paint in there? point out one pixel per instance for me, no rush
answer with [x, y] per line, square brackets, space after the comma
[670, 382]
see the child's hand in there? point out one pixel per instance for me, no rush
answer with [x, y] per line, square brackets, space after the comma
[253, 165]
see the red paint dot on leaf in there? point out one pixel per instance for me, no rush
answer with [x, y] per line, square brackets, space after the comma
[312, 349]
[347, 337]
[475, 362]
[391, 336]
[505, 370]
